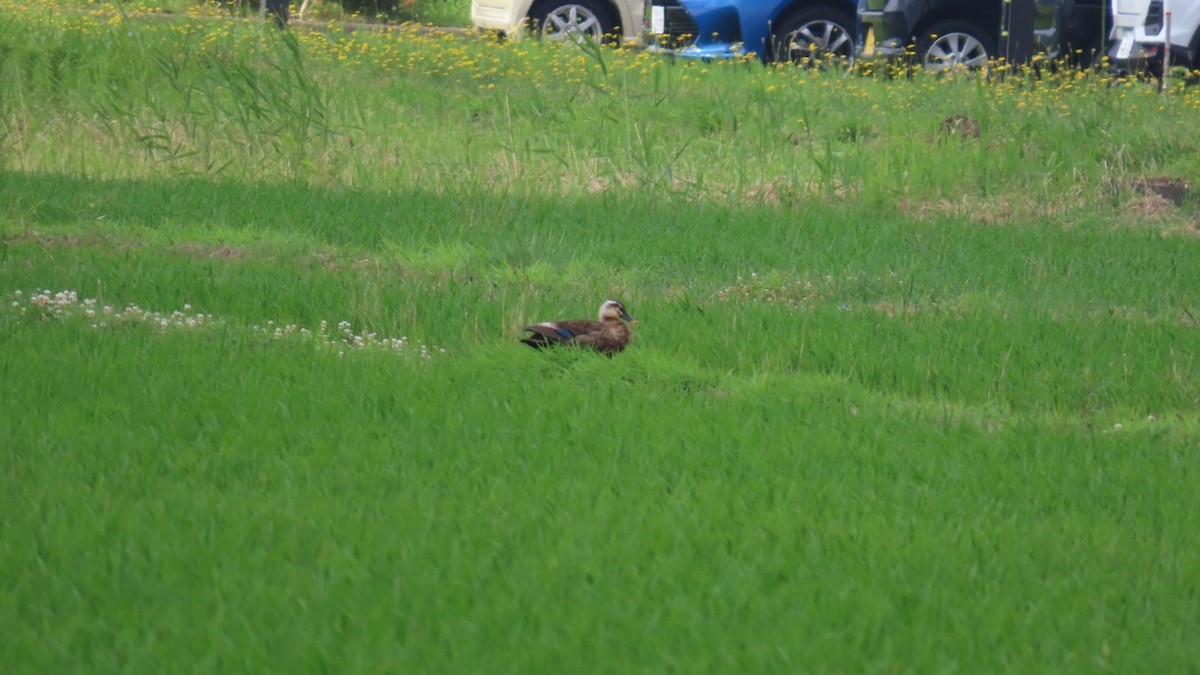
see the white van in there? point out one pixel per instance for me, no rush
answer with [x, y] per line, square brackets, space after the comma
[1139, 32]
[599, 19]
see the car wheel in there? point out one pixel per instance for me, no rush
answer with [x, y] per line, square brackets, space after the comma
[951, 44]
[566, 20]
[814, 36]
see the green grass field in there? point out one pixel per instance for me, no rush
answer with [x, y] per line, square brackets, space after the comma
[901, 400]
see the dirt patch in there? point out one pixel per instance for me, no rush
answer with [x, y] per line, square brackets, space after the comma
[604, 183]
[221, 250]
[70, 241]
[1175, 191]
[997, 210]
[959, 126]
[778, 190]
[1191, 229]
[1148, 207]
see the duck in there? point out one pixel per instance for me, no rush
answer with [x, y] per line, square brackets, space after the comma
[608, 336]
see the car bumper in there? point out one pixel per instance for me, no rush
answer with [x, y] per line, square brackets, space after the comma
[498, 15]
[711, 33]
[708, 52]
[1133, 43]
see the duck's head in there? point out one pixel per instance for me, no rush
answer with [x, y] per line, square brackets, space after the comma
[613, 309]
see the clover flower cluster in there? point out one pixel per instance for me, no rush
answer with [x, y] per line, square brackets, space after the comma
[856, 290]
[801, 293]
[344, 339]
[48, 305]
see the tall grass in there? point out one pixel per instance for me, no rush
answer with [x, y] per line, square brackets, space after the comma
[380, 110]
[901, 398]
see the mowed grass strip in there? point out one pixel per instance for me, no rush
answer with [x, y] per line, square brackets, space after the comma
[1080, 320]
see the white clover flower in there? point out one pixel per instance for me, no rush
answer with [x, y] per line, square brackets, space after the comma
[63, 305]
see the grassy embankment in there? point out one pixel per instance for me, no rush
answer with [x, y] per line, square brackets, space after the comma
[902, 399]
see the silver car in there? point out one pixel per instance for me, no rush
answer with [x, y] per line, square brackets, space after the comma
[560, 19]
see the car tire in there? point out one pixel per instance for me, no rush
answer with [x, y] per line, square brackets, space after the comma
[953, 43]
[814, 36]
[559, 19]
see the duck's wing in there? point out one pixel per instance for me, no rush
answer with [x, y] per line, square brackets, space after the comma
[597, 335]
[578, 331]
[605, 343]
[545, 335]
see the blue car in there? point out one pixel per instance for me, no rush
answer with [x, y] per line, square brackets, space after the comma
[800, 31]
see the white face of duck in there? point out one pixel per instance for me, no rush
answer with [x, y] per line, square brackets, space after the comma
[612, 309]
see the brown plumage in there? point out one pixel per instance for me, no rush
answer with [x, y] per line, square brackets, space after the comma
[608, 336]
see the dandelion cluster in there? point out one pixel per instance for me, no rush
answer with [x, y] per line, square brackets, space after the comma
[47, 305]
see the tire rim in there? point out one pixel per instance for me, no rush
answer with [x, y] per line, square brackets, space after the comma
[956, 49]
[572, 22]
[819, 41]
